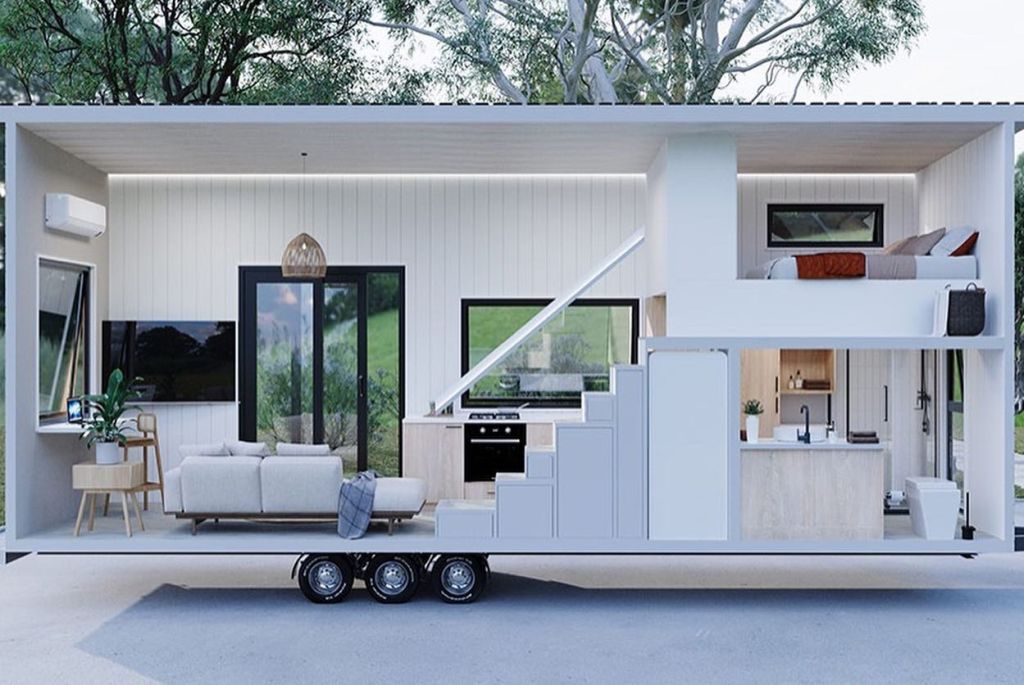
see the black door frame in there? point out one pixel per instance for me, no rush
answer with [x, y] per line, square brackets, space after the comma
[249, 277]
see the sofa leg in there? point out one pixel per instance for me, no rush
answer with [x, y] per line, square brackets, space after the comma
[195, 525]
[391, 525]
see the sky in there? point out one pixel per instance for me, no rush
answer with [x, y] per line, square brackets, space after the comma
[972, 51]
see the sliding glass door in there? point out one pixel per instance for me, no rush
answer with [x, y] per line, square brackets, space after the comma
[322, 363]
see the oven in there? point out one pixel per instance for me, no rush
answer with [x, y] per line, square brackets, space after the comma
[494, 448]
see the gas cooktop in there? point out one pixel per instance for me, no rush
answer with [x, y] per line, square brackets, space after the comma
[494, 416]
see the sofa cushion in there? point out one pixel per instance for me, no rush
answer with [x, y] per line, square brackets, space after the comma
[298, 449]
[172, 491]
[956, 243]
[399, 495]
[300, 485]
[206, 449]
[239, 448]
[220, 485]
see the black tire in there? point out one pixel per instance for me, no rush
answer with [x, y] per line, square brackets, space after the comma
[326, 578]
[393, 578]
[460, 578]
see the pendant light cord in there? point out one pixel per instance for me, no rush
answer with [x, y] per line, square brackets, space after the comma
[302, 210]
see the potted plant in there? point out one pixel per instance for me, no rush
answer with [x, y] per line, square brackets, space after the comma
[753, 411]
[104, 427]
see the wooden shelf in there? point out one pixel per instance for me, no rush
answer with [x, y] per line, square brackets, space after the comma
[787, 391]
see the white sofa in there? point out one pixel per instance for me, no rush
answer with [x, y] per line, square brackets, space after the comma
[276, 487]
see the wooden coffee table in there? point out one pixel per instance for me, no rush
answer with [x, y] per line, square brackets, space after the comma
[95, 479]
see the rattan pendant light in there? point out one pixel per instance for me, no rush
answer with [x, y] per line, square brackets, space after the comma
[303, 257]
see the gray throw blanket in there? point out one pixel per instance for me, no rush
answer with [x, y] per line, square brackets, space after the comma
[355, 504]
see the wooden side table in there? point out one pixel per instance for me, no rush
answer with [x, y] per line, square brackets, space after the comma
[105, 479]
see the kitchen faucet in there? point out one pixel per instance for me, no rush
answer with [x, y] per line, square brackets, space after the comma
[806, 436]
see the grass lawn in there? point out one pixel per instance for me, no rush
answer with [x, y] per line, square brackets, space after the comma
[1018, 433]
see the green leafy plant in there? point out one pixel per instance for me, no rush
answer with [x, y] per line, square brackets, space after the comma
[106, 409]
[753, 408]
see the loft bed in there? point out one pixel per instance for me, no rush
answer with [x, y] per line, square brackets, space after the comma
[940, 254]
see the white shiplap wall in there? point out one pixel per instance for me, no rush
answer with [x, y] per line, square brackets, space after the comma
[176, 243]
[898, 192]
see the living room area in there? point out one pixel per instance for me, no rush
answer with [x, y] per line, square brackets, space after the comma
[183, 290]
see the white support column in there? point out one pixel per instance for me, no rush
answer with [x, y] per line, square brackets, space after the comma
[692, 217]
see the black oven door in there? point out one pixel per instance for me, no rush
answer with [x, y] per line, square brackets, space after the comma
[491, 449]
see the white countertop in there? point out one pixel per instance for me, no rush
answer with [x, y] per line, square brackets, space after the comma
[534, 416]
[769, 444]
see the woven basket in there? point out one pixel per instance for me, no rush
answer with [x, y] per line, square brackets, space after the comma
[966, 311]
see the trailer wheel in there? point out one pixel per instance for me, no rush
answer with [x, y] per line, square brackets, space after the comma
[460, 578]
[393, 578]
[325, 578]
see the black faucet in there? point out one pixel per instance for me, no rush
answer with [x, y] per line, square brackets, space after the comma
[806, 436]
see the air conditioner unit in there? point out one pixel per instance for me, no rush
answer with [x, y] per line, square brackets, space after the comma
[74, 215]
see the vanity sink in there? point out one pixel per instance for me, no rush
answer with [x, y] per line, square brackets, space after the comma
[787, 432]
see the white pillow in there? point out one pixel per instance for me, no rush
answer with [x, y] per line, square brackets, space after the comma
[239, 448]
[954, 238]
[295, 449]
[208, 449]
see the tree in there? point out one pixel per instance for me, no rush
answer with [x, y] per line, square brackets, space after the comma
[649, 50]
[1018, 280]
[192, 51]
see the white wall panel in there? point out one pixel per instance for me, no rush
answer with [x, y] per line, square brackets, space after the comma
[176, 243]
[756, 191]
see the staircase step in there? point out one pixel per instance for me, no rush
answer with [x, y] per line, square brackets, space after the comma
[598, 406]
[540, 463]
[465, 518]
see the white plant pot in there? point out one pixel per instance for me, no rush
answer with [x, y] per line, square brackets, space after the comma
[753, 427]
[108, 453]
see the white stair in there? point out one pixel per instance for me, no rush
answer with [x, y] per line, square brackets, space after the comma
[591, 484]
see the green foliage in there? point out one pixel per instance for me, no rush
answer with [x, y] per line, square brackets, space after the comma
[106, 409]
[194, 51]
[753, 408]
[1018, 275]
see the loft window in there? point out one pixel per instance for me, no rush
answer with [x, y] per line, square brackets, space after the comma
[825, 225]
[569, 355]
[63, 336]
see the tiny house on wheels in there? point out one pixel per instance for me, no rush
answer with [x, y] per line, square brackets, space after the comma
[778, 329]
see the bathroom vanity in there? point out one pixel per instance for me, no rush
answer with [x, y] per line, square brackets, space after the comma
[820, 491]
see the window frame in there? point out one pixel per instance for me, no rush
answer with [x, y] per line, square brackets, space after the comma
[88, 307]
[878, 240]
[467, 303]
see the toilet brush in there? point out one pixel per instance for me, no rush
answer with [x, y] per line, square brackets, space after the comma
[967, 530]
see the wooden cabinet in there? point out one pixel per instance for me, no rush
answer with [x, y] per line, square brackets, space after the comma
[759, 380]
[764, 376]
[433, 451]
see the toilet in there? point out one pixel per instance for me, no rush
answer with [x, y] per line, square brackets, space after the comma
[934, 506]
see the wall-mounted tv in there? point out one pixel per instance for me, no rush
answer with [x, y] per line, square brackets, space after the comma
[178, 361]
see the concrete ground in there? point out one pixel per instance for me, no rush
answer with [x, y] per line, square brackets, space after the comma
[192, 619]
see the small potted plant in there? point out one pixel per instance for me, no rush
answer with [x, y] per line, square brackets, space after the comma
[753, 410]
[104, 428]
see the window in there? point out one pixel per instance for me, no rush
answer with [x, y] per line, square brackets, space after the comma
[63, 336]
[825, 225]
[571, 354]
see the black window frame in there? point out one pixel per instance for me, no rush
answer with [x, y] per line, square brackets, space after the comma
[467, 303]
[878, 240]
[60, 415]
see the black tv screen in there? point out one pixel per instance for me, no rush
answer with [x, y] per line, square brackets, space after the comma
[177, 361]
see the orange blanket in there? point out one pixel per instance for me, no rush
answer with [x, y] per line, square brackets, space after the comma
[831, 265]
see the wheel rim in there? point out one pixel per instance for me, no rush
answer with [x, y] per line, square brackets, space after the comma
[325, 577]
[392, 578]
[458, 578]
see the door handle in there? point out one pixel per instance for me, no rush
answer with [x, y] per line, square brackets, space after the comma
[362, 386]
[885, 390]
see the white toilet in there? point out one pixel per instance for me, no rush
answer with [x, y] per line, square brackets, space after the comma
[934, 506]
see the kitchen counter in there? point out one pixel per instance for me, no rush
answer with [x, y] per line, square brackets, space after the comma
[535, 416]
[767, 444]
